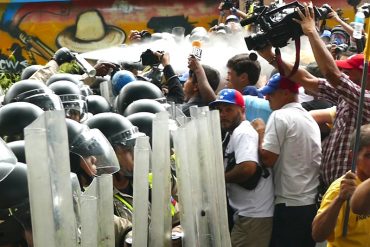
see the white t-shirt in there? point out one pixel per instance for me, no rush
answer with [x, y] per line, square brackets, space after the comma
[255, 203]
[292, 133]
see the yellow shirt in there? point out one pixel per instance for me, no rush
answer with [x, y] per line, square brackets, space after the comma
[358, 233]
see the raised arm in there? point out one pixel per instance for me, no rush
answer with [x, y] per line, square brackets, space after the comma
[334, 16]
[205, 89]
[301, 76]
[324, 59]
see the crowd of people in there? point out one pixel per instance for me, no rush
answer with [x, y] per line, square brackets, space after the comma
[288, 137]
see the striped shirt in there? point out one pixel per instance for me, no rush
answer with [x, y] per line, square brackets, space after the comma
[336, 147]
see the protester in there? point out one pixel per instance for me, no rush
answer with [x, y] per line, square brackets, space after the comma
[340, 88]
[200, 87]
[328, 223]
[243, 70]
[249, 186]
[291, 146]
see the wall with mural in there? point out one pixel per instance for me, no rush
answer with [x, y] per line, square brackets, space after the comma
[30, 31]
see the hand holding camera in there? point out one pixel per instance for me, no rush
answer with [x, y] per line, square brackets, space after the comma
[104, 68]
[149, 58]
[136, 36]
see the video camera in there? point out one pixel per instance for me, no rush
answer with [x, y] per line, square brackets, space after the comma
[276, 24]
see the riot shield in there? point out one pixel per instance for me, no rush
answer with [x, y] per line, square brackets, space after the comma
[76, 197]
[183, 172]
[7, 156]
[160, 229]
[105, 210]
[141, 191]
[106, 91]
[50, 189]
[97, 213]
[199, 167]
[89, 216]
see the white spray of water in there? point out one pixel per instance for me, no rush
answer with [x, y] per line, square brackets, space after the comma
[215, 53]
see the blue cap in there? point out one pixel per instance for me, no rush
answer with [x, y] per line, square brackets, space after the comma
[229, 96]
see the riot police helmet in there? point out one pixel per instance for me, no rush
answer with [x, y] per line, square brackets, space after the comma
[144, 105]
[13, 185]
[144, 122]
[138, 90]
[63, 77]
[29, 71]
[14, 117]
[34, 92]
[93, 149]
[18, 148]
[74, 103]
[97, 104]
[116, 128]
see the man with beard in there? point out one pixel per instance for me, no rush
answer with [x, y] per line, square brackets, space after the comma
[249, 186]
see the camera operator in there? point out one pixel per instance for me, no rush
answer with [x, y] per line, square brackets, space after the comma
[341, 87]
[173, 88]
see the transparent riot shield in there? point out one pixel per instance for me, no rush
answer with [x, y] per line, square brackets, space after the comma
[106, 91]
[200, 172]
[50, 189]
[76, 197]
[105, 211]
[89, 216]
[141, 191]
[214, 187]
[160, 229]
[176, 114]
[7, 156]
[97, 213]
[183, 172]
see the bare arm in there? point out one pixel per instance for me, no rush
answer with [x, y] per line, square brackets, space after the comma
[334, 16]
[360, 201]
[205, 90]
[324, 223]
[301, 76]
[322, 116]
[268, 158]
[323, 57]
[241, 172]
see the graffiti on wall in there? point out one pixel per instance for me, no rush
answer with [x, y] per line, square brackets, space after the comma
[31, 32]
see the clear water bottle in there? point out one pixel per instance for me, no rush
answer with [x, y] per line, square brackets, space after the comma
[359, 24]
